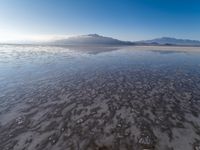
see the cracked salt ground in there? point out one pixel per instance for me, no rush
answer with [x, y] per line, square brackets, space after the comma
[146, 142]
[79, 121]
[61, 99]
[196, 147]
[20, 120]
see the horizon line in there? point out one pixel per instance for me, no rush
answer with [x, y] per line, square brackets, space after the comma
[53, 37]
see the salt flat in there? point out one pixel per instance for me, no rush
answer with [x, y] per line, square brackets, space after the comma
[118, 98]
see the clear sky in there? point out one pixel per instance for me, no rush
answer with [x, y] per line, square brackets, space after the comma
[122, 19]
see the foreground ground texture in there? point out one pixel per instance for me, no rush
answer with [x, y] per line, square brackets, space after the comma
[117, 100]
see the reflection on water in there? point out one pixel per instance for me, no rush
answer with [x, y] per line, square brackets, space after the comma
[98, 98]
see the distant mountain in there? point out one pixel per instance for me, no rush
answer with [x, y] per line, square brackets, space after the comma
[95, 39]
[171, 41]
[90, 39]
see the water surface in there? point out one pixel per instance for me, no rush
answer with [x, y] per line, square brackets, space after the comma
[98, 98]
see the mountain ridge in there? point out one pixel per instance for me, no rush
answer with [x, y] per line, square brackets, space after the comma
[90, 39]
[96, 39]
[172, 41]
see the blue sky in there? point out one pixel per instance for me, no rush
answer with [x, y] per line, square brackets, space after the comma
[122, 19]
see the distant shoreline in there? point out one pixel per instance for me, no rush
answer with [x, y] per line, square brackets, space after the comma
[179, 48]
[168, 48]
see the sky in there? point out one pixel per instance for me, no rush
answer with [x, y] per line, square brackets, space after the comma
[122, 19]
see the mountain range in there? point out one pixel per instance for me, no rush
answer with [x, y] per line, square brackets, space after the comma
[95, 39]
[172, 41]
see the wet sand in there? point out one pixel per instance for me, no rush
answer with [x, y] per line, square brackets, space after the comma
[118, 100]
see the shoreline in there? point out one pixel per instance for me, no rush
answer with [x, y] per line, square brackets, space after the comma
[166, 48]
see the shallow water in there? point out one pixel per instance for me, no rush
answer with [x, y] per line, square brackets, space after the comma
[98, 98]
